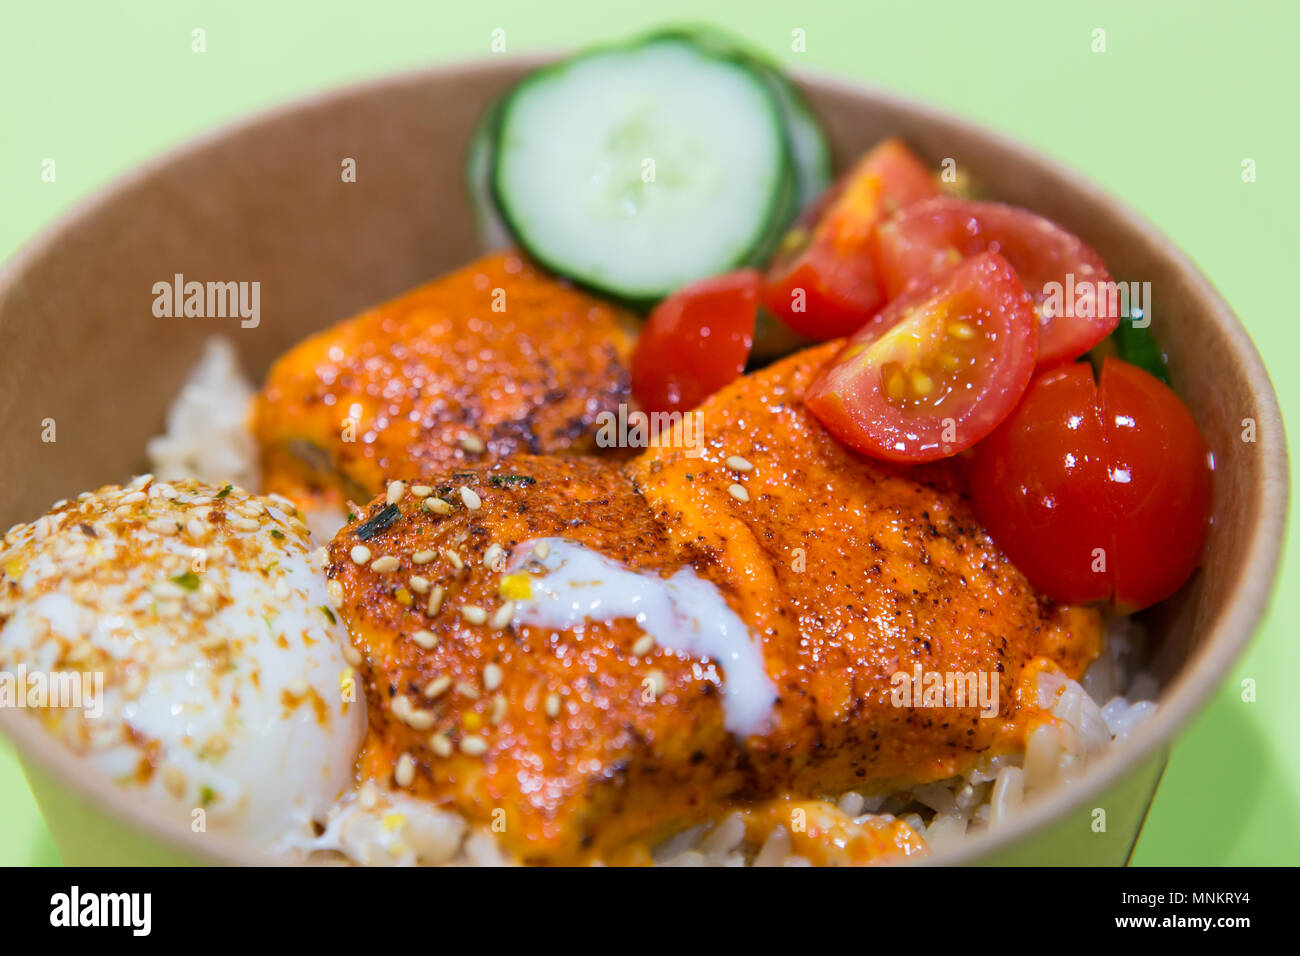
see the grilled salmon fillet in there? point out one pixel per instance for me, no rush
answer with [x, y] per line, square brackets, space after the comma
[853, 571]
[573, 736]
[586, 742]
[491, 359]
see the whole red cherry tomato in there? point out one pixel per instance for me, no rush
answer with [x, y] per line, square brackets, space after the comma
[696, 341]
[1097, 491]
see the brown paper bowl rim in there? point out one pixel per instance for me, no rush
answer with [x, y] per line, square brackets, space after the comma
[1197, 679]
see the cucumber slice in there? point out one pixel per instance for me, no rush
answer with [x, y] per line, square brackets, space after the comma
[574, 148]
[809, 150]
[493, 233]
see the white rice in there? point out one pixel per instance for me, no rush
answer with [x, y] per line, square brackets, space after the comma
[208, 437]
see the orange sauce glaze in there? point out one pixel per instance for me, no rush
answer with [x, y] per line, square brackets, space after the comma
[497, 350]
[847, 570]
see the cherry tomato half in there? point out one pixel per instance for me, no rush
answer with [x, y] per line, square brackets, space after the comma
[937, 370]
[696, 341]
[1097, 492]
[1071, 288]
[823, 282]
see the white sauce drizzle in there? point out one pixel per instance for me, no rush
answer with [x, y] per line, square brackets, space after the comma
[682, 613]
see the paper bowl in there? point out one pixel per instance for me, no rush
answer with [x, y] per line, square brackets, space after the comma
[265, 200]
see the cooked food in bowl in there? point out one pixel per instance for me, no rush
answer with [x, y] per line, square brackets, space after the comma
[600, 583]
[193, 621]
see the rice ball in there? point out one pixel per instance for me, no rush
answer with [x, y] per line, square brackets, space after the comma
[179, 637]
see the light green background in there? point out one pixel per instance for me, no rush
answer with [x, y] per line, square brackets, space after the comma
[1184, 92]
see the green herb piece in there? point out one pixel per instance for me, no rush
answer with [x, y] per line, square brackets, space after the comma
[512, 481]
[189, 580]
[379, 523]
[225, 491]
[1136, 345]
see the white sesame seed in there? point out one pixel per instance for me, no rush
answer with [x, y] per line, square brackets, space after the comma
[422, 557]
[738, 492]
[435, 600]
[472, 444]
[421, 491]
[541, 549]
[134, 685]
[395, 491]
[174, 781]
[385, 564]
[437, 506]
[426, 639]
[492, 677]
[466, 689]
[437, 687]
[503, 615]
[281, 589]
[420, 585]
[441, 745]
[499, 708]
[473, 745]
[246, 524]
[657, 681]
[552, 705]
[360, 554]
[470, 497]
[352, 655]
[473, 614]
[456, 561]
[418, 719]
[405, 773]
[736, 463]
[335, 591]
[133, 498]
[643, 646]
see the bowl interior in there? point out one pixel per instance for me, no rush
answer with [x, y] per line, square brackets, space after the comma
[267, 201]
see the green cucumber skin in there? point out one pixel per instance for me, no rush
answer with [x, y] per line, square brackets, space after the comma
[787, 208]
[781, 203]
[492, 230]
[813, 165]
